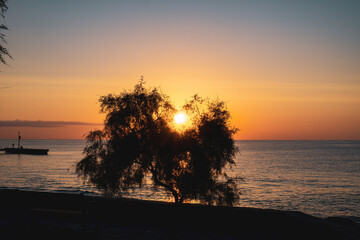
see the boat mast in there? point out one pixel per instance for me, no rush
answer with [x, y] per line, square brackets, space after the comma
[19, 138]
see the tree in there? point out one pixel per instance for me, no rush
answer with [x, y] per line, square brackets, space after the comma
[139, 139]
[3, 51]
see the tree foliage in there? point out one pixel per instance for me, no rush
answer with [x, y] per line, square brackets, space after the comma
[3, 51]
[139, 139]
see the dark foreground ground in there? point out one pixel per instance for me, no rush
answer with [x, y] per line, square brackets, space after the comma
[36, 215]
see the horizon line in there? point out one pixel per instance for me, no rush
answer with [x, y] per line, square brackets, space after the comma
[234, 139]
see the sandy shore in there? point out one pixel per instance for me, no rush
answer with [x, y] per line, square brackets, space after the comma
[41, 215]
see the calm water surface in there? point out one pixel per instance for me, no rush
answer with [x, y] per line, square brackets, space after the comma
[321, 178]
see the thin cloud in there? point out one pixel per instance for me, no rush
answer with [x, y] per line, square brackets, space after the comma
[43, 124]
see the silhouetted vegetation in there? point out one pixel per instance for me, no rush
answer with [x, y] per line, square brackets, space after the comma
[3, 51]
[139, 139]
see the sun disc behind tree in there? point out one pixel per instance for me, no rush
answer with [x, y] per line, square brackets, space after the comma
[180, 118]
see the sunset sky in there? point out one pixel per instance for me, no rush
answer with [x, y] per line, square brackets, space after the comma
[287, 69]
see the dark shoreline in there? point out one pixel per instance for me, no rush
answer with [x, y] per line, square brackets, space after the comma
[75, 216]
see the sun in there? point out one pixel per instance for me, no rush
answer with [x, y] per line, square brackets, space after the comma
[180, 118]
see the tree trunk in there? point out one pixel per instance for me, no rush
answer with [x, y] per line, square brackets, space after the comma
[169, 188]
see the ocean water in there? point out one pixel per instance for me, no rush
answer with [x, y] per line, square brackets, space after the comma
[321, 178]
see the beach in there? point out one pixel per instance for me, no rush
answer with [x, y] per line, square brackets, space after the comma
[44, 215]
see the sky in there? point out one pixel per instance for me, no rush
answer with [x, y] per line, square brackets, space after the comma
[286, 69]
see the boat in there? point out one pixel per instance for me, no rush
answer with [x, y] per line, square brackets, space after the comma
[32, 151]
[21, 150]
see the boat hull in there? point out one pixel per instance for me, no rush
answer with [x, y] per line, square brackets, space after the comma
[31, 151]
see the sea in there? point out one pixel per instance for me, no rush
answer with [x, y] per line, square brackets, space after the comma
[320, 178]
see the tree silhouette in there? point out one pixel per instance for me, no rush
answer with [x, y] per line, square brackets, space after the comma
[3, 51]
[139, 139]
